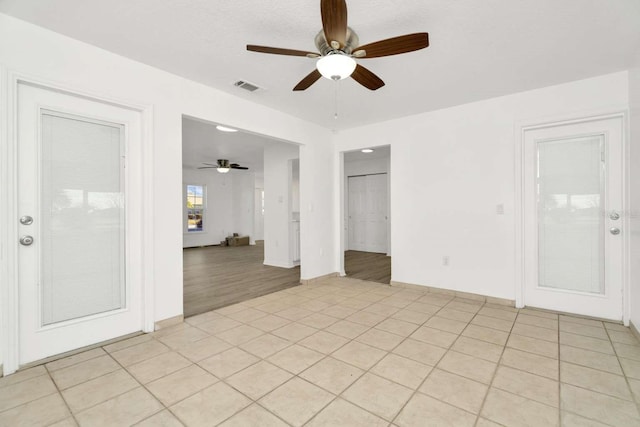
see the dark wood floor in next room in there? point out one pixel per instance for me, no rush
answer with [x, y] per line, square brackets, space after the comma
[217, 276]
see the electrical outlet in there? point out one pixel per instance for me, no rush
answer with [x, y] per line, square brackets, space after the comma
[445, 260]
[500, 209]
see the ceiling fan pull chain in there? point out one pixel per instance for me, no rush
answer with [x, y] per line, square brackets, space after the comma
[335, 116]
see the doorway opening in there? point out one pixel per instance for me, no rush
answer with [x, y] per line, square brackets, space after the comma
[366, 207]
[239, 236]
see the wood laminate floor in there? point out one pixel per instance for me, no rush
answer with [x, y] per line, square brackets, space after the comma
[217, 276]
[368, 266]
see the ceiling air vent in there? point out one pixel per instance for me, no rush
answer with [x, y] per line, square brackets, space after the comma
[246, 86]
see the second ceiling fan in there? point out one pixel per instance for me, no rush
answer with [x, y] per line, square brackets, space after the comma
[338, 45]
[223, 166]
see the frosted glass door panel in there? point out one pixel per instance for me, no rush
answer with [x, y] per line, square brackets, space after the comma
[83, 218]
[570, 176]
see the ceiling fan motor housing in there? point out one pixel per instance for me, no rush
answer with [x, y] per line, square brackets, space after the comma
[325, 48]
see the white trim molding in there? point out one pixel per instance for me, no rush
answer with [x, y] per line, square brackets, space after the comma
[9, 284]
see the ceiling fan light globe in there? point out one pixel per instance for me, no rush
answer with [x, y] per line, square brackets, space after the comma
[223, 170]
[226, 129]
[336, 66]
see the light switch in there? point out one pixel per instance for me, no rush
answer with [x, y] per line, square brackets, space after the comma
[500, 209]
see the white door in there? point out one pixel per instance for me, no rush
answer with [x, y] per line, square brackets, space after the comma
[368, 204]
[377, 213]
[574, 218]
[357, 213]
[78, 263]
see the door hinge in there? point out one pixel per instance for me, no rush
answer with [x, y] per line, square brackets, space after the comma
[602, 155]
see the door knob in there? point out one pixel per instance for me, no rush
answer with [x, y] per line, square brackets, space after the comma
[26, 220]
[614, 230]
[26, 240]
[614, 215]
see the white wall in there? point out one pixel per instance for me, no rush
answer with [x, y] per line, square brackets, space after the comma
[295, 186]
[634, 222]
[77, 66]
[243, 194]
[218, 220]
[258, 218]
[277, 204]
[366, 167]
[452, 167]
[229, 209]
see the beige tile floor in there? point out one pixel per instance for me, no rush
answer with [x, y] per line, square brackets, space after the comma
[345, 353]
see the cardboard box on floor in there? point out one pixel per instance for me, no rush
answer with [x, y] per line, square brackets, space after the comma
[238, 241]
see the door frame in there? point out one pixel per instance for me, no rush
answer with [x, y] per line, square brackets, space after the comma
[521, 127]
[9, 283]
[342, 201]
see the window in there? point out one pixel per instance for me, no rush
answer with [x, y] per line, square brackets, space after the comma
[195, 208]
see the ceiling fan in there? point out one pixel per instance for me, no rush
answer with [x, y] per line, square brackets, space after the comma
[339, 45]
[223, 166]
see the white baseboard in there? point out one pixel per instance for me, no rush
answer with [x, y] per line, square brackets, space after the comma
[634, 330]
[319, 278]
[467, 295]
[171, 321]
[281, 264]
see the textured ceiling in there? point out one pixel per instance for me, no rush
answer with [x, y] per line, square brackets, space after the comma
[202, 142]
[479, 49]
[382, 152]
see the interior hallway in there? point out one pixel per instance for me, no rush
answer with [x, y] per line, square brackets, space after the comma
[370, 266]
[217, 276]
[345, 352]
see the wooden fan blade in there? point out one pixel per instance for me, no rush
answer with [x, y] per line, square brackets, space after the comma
[395, 45]
[311, 78]
[280, 51]
[208, 167]
[210, 164]
[239, 167]
[334, 20]
[366, 78]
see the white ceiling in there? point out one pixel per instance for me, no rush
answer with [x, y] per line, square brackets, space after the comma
[202, 142]
[479, 49]
[382, 152]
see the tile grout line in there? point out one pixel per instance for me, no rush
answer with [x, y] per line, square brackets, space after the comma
[373, 326]
[434, 368]
[108, 373]
[136, 380]
[351, 340]
[339, 395]
[61, 396]
[626, 378]
[493, 377]
[600, 393]
[144, 386]
[294, 376]
[391, 352]
[29, 401]
[360, 292]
